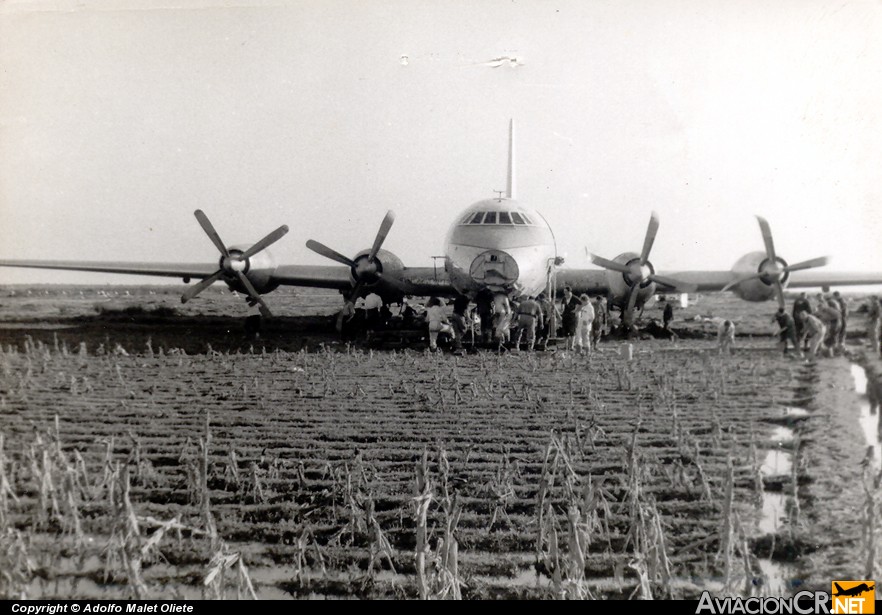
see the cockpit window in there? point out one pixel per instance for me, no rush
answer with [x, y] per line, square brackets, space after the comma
[516, 218]
[476, 219]
[526, 218]
[504, 218]
[490, 218]
[466, 219]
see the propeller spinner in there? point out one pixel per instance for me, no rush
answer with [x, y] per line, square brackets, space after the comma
[233, 264]
[366, 269]
[639, 272]
[774, 270]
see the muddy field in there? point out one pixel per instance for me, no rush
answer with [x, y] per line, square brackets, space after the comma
[154, 451]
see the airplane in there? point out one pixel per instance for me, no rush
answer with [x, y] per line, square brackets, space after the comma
[498, 245]
[857, 590]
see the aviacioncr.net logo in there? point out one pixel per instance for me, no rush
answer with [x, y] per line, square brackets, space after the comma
[854, 597]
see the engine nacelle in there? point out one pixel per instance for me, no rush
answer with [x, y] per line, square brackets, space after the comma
[385, 263]
[259, 269]
[756, 289]
[619, 284]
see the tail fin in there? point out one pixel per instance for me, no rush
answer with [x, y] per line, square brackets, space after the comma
[510, 188]
[838, 587]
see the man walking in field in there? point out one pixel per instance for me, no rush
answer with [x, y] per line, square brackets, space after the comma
[726, 337]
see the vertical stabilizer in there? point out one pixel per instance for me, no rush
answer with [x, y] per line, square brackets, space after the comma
[510, 188]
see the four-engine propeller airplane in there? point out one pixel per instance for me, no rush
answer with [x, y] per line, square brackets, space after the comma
[496, 246]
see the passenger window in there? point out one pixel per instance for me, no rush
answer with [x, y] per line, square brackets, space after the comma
[476, 219]
[504, 218]
[490, 218]
[516, 218]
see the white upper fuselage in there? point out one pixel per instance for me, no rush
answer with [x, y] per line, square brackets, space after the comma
[499, 245]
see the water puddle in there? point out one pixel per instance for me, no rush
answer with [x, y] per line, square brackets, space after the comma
[778, 462]
[869, 420]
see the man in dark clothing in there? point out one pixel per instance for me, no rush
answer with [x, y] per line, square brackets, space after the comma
[484, 302]
[569, 318]
[843, 312]
[801, 304]
[601, 319]
[786, 331]
[668, 315]
[461, 320]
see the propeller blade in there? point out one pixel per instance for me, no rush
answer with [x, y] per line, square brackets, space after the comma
[628, 310]
[198, 288]
[355, 290]
[685, 287]
[209, 230]
[264, 308]
[651, 232]
[767, 237]
[779, 292]
[608, 264]
[809, 264]
[381, 234]
[327, 252]
[266, 241]
[739, 280]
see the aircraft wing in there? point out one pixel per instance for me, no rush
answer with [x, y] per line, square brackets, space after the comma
[173, 270]
[595, 281]
[421, 281]
[590, 281]
[710, 281]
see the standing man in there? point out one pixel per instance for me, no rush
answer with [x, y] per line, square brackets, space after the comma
[461, 320]
[668, 315]
[601, 320]
[501, 319]
[570, 316]
[874, 320]
[584, 324]
[545, 330]
[530, 318]
[373, 306]
[484, 308]
[843, 315]
[786, 331]
[726, 337]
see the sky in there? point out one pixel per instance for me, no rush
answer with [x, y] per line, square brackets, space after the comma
[119, 118]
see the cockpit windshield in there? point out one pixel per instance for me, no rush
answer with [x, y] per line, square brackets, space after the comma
[502, 217]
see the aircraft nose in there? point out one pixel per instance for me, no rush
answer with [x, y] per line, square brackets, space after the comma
[495, 269]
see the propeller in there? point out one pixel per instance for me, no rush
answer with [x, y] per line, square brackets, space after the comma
[775, 270]
[233, 264]
[365, 269]
[639, 271]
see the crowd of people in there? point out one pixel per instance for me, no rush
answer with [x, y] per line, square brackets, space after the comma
[814, 328]
[491, 320]
[811, 328]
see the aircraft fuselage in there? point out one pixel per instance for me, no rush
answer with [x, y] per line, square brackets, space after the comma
[501, 246]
